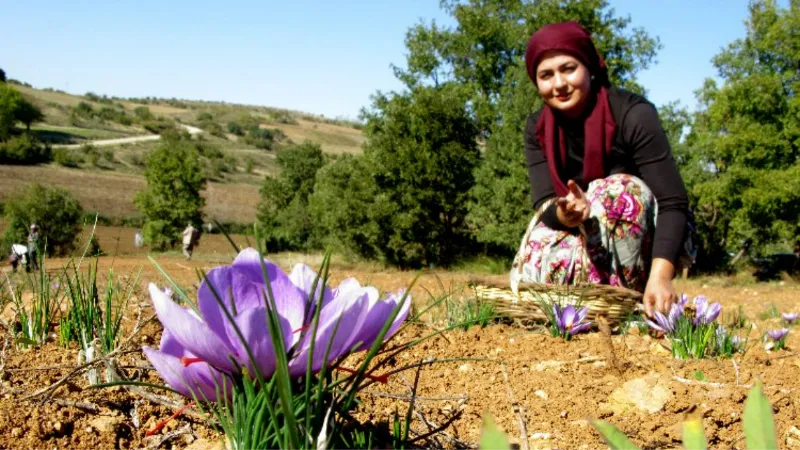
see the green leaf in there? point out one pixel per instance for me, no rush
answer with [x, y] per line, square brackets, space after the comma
[693, 436]
[759, 426]
[699, 375]
[491, 436]
[25, 341]
[615, 438]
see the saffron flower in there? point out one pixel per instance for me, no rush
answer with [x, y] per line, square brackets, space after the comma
[200, 351]
[666, 324]
[790, 318]
[778, 335]
[571, 321]
[705, 312]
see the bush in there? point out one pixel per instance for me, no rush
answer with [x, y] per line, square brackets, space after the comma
[24, 149]
[143, 113]
[56, 212]
[66, 157]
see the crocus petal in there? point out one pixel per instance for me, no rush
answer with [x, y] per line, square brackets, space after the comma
[219, 279]
[198, 379]
[192, 333]
[581, 327]
[790, 317]
[777, 335]
[349, 312]
[290, 300]
[568, 317]
[303, 277]
[378, 315]
[712, 312]
[664, 322]
[581, 314]
[558, 316]
[655, 326]
[252, 323]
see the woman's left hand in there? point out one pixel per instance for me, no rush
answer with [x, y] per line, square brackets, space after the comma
[659, 294]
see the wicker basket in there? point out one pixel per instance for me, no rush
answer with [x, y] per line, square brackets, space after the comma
[615, 303]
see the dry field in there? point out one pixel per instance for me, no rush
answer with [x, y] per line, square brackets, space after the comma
[540, 389]
[112, 193]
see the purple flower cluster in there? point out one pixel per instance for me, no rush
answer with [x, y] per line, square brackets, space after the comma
[201, 352]
[571, 321]
[705, 313]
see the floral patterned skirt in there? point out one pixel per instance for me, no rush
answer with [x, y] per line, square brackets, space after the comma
[614, 246]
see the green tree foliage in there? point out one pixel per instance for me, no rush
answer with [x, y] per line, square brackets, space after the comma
[745, 146]
[489, 40]
[57, 213]
[2, 76]
[283, 208]
[485, 54]
[24, 149]
[172, 198]
[27, 113]
[10, 102]
[421, 153]
[340, 208]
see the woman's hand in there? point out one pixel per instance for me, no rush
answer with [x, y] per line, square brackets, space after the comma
[659, 294]
[573, 209]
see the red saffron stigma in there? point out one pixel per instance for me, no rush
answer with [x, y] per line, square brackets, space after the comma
[378, 378]
[188, 361]
[303, 328]
[164, 422]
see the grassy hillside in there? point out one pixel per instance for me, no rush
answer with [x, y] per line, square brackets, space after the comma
[106, 178]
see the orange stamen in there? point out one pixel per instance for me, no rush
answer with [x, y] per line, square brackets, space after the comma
[378, 378]
[164, 422]
[188, 361]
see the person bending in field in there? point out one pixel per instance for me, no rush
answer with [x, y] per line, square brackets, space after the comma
[602, 175]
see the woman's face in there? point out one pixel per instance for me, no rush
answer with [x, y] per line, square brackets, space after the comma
[563, 82]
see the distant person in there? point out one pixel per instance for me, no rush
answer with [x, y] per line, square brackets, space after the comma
[33, 249]
[602, 175]
[138, 239]
[191, 236]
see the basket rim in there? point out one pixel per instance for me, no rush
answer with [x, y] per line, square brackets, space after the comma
[589, 289]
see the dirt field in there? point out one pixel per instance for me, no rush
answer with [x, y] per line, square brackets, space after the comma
[629, 380]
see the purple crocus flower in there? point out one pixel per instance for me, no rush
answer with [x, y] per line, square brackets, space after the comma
[790, 318]
[666, 324]
[777, 335]
[705, 312]
[570, 320]
[205, 347]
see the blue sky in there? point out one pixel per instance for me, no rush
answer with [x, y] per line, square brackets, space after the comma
[316, 56]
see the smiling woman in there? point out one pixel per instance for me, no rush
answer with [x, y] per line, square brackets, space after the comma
[602, 175]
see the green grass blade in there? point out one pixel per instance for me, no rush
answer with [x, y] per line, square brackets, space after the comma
[759, 425]
[693, 436]
[491, 435]
[615, 438]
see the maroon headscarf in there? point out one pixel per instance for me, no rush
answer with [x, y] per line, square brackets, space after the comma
[599, 125]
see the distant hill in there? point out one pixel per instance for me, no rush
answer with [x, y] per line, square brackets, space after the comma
[238, 147]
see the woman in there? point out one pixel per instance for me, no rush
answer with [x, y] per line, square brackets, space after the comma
[602, 175]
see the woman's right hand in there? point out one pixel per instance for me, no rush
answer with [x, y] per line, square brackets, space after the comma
[573, 209]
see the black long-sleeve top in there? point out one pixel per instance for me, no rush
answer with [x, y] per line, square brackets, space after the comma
[640, 148]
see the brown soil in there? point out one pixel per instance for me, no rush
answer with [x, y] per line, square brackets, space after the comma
[525, 377]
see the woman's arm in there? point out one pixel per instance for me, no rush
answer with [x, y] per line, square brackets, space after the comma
[653, 158]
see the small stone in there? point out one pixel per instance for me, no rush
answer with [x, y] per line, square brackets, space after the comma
[105, 424]
[647, 394]
[58, 427]
[16, 432]
[564, 414]
[541, 394]
[89, 430]
[464, 368]
[542, 436]
[792, 438]
[511, 340]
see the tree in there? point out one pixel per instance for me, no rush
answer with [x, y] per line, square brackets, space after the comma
[172, 198]
[745, 146]
[2, 76]
[55, 211]
[27, 113]
[489, 40]
[10, 101]
[421, 152]
[283, 208]
[344, 193]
